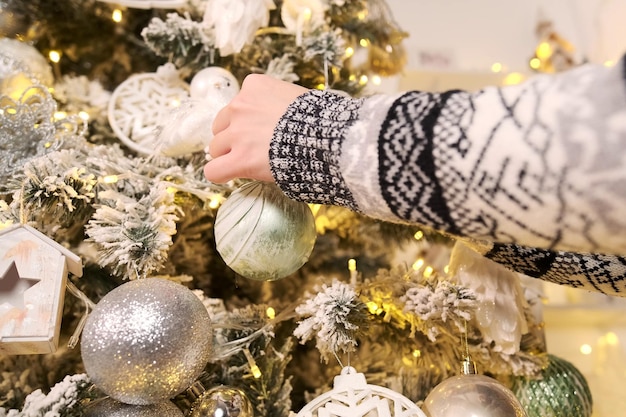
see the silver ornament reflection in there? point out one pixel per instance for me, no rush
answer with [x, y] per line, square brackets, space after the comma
[146, 341]
[108, 407]
[262, 234]
[222, 401]
[472, 395]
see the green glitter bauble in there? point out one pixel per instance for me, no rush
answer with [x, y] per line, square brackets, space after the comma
[560, 391]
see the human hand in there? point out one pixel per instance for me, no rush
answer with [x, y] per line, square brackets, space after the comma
[243, 129]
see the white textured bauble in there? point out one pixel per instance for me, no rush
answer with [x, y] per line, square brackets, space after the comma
[352, 396]
[223, 401]
[108, 407]
[262, 234]
[32, 60]
[146, 341]
[472, 395]
[214, 83]
[187, 128]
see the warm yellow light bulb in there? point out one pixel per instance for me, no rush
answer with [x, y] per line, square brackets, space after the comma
[417, 353]
[534, 63]
[372, 307]
[513, 78]
[116, 16]
[352, 265]
[496, 67]
[364, 42]
[215, 201]
[376, 80]
[418, 264]
[59, 115]
[349, 51]
[110, 179]
[544, 50]
[418, 235]
[611, 339]
[254, 369]
[271, 313]
[363, 79]
[586, 349]
[428, 271]
[55, 56]
[83, 115]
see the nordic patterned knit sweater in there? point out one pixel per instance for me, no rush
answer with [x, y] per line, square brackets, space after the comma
[533, 175]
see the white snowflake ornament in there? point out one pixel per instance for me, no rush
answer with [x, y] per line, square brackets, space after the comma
[140, 104]
[352, 396]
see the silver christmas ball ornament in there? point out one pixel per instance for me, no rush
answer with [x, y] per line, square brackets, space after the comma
[472, 395]
[223, 401]
[146, 341]
[108, 407]
[262, 234]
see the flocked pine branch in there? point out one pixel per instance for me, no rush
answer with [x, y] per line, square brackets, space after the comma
[62, 400]
[333, 317]
[58, 187]
[325, 46]
[134, 236]
[184, 41]
[440, 303]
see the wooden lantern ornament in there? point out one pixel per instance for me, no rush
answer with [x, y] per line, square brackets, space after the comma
[33, 277]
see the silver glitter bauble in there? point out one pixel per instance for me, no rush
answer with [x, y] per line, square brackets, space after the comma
[472, 395]
[262, 234]
[146, 341]
[222, 401]
[108, 407]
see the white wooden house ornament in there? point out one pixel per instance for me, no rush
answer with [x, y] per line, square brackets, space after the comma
[33, 277]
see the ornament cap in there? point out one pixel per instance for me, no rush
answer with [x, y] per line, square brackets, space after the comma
[468, 367]
[350, 379]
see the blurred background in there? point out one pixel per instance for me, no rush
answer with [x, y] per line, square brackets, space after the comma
[471, 44]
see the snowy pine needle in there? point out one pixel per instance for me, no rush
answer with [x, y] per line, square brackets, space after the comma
[55, 183]
[62, 399]
[329, 46]
[439, 304]
[334, 316]
[134, 236]
[180, 38]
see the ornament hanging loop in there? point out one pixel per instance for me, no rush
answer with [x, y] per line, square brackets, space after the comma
[89, 305]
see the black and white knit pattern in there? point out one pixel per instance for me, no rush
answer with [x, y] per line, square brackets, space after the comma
[306, 149]
[597, 272]
[538, 169]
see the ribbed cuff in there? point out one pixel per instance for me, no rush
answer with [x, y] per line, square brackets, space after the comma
[306, 148]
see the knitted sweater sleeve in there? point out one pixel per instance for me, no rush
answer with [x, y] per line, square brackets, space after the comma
[539, 166]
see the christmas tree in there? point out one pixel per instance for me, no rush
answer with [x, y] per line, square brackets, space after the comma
[102, 145]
